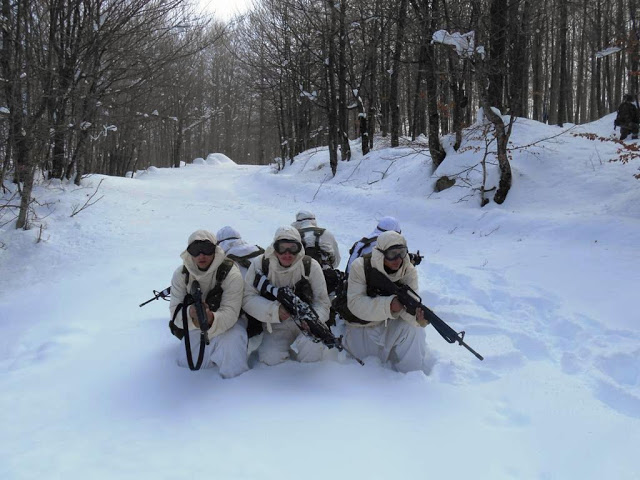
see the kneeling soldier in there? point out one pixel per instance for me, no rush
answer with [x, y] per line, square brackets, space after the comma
[285, 265]
[205, 265]
[383, 328]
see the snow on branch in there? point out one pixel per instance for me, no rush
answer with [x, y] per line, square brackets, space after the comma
[105, 131]
[311, 96]
[607, 51]
[464, 43]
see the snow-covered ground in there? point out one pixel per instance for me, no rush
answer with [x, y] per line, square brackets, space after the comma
[545, 285]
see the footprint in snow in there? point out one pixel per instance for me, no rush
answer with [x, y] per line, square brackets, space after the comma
[58, 342]
[506, 416]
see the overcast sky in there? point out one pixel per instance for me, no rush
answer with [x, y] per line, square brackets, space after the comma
[224, 9]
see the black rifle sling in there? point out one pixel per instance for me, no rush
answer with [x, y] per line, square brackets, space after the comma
[187, 340]
[221, 274]
[317, 232]
[365, 241]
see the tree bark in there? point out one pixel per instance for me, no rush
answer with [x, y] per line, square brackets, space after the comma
[395, 70]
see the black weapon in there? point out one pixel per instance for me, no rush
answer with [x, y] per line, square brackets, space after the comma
[164, 294]
[415, 258]
[412, 301]
[303, 314]
[196, 294]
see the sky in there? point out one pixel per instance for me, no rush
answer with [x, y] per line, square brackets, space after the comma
[545, 287]
[224, 9]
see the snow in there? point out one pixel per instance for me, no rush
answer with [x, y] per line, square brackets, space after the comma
[607, 51]
[464, 43]
[545, 287]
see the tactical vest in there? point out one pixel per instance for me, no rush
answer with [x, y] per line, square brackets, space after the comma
[339, 303]
[254, 326]
[214, 297]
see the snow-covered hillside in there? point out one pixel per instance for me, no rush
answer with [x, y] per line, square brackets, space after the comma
[544, 286]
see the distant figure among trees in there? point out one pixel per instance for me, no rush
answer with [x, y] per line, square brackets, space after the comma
[628, 118]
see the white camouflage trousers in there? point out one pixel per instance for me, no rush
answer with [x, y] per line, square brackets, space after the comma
[228, 351]
[399, 343]
[286, 340]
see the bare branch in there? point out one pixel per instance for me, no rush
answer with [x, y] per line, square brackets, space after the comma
[77, 209]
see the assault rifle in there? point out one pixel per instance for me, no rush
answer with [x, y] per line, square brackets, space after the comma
[196, 294]
[164, 294]
[415, 258]
[412, 301]
[303, 314]
[196, 297]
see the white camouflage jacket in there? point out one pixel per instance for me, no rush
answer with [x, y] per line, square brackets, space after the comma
[266, 310]
[232, 286]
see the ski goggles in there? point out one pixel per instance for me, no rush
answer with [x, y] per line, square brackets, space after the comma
[201, 247]
[287, 246]
[394, 252]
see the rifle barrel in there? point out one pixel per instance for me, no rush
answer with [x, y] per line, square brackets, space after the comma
[351, 354]
[148, 301]
[478, 356]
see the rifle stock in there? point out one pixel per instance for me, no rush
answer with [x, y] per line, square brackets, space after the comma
[412, 301]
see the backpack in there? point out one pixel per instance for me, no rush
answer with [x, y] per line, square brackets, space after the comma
[339, 303]
[323, 257]
[366, 241]
[254, 326]
[245, 261]
[214, 297]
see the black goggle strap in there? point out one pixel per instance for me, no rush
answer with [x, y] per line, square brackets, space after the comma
[383, 230]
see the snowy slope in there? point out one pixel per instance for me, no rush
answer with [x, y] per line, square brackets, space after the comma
[544, 285]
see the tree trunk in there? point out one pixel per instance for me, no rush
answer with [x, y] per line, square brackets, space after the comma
[497, 53]
[564, 80]
[501, 133]
[330, 75]
[435, 147]
[634, 48]
[343, 113]
[177, 146]
[395, 70]
[581, 97]
[23, 157]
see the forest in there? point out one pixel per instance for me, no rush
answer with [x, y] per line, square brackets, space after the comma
[115, 86]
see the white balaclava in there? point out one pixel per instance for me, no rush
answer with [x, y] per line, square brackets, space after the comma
[385, 241]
